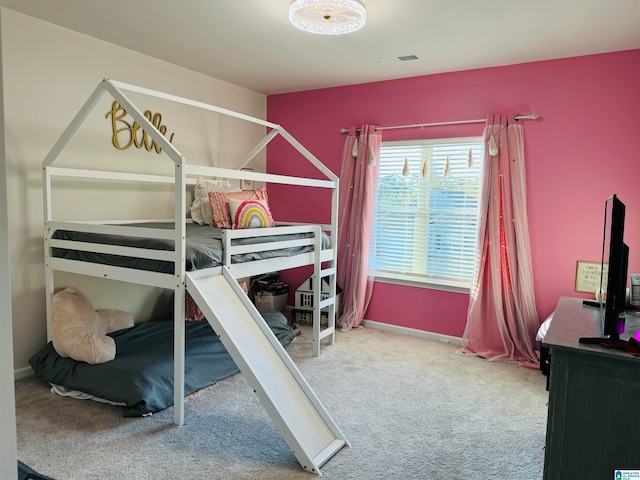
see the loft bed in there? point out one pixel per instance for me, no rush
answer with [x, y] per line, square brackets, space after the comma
[159, 253]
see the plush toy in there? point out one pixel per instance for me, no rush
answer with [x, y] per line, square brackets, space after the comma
[79, 331]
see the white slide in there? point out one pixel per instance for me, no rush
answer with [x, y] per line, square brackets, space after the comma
[297, 412]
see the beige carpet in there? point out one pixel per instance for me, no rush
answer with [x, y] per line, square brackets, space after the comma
[411, 408]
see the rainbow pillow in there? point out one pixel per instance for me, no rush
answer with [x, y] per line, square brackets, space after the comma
[250, 213]
[219, 202]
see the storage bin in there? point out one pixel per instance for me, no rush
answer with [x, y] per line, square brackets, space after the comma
[269, 301]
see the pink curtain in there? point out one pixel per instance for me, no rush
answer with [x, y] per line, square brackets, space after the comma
[358, 181]
[502, 319]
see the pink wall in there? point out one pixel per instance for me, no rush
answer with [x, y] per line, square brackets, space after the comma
[583, 148]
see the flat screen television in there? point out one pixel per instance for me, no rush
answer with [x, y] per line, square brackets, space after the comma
[613, 284]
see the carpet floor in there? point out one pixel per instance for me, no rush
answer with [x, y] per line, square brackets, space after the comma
[411, 408]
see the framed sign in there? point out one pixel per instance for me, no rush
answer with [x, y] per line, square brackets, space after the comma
[588, 276]
[246, 184]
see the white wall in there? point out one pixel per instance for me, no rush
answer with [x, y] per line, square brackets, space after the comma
[8, 448]
[48, 74]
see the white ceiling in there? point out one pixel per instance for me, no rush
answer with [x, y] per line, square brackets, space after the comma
[251, 43]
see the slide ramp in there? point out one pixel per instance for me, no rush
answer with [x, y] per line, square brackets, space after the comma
[296, 411]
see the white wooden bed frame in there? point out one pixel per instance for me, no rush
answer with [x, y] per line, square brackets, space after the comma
[324, 261]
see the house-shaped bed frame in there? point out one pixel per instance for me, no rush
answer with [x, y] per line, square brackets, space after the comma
[292, 405]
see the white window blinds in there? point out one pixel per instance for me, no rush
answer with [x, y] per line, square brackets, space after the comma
[425, 223]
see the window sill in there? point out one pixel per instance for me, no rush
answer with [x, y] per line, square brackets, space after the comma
[443, 285]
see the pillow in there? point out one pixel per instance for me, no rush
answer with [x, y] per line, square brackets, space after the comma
[201, 207]
[220, 204]
[80, 332]
[250, 213]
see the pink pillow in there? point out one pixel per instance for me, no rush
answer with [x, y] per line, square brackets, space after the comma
[220, 204]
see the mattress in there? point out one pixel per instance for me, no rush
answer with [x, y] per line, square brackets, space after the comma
[204, 248]
[141, 376]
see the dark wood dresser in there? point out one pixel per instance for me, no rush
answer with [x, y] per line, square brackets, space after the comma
[593, 425]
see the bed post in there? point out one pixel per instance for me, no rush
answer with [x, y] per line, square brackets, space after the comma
[48, 271]
[179, 294]
[335, 199]
[316, 289]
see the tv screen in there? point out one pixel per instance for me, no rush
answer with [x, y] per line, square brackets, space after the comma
[616, 254]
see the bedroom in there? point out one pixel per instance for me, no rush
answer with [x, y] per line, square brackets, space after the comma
[586, 103]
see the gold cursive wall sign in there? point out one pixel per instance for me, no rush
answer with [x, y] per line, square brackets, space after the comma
[132, 133]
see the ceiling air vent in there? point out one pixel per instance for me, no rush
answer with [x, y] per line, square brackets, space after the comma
[398, 59]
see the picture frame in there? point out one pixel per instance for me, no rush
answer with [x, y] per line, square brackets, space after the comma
[244, 183]
[588, 276]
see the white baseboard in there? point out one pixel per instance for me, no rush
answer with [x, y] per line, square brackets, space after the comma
[415, 333]
[23, 373]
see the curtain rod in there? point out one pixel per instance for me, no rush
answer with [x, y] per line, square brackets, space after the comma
[533, 116]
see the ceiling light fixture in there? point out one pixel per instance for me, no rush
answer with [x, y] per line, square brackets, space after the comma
[327, 17]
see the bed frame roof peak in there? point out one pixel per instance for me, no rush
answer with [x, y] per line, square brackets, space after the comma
[116, 89]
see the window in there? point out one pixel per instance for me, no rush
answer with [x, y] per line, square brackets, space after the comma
[425, 223]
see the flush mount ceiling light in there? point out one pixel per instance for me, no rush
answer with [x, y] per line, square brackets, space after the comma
[328, 17]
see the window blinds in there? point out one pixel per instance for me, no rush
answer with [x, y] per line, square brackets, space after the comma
[425, 223]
